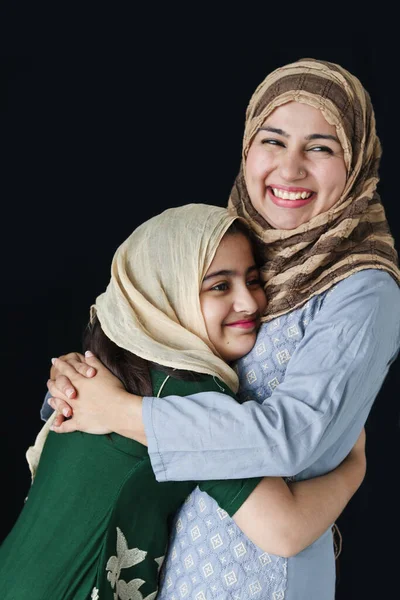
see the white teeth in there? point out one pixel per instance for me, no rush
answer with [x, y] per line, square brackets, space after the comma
[291, 195]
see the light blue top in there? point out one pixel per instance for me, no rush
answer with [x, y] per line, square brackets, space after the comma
[310, 382]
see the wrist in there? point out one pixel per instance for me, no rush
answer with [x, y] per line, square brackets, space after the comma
[128, 417]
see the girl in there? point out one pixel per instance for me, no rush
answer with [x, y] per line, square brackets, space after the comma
[96, 523]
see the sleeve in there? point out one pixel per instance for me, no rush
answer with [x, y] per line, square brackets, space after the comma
[230, 494]
[335, 372]
[46, 411]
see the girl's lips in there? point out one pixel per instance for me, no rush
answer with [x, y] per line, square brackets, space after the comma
[243, 324]
[289, 203]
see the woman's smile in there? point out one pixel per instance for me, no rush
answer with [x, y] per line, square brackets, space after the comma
[295, 167]
[290, 197]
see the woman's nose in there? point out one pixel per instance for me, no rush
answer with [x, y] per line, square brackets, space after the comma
[291, 166]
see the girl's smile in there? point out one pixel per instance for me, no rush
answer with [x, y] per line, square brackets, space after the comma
[232, 298]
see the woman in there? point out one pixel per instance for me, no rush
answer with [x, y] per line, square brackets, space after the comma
[100, 529]
[307, 187]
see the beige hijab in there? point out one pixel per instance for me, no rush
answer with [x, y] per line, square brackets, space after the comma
[151, 306]
[352, 235]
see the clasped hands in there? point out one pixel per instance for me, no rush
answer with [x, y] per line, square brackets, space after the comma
[85, 394]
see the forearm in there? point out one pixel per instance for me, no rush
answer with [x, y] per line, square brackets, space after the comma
[318, 502]
[127, 419]
[284, 519]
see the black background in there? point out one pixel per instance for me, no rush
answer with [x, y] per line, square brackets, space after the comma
[92, 146]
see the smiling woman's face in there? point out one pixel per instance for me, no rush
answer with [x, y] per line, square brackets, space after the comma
[295, 167]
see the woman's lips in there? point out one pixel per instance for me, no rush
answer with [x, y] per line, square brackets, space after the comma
[289, 203]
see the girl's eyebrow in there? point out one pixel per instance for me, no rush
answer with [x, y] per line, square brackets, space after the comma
[228, 272]
[313, 136]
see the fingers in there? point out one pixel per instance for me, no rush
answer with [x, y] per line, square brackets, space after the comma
[61, 407]
[64, 427]
[61, 387]
[58, 420]
[66, 369]
[71, 356]
[76, 361]
[93, 362]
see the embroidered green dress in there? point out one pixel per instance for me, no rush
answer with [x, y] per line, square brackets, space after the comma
[95, 524]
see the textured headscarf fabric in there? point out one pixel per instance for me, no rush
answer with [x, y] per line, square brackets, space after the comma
[353, 234]
[151, 306]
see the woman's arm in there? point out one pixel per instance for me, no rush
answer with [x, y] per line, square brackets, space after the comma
[332, 377]
[284, 519]
[331, 382]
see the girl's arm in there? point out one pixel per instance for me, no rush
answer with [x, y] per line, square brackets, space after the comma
[284, 519]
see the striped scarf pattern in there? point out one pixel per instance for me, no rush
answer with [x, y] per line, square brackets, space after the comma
[354, 233]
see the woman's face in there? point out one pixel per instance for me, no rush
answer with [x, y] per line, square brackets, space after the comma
[232, 298]
[295, 168]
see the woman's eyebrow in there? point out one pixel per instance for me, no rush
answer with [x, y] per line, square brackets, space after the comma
[313, 136]
[274, 130]
[323, 136]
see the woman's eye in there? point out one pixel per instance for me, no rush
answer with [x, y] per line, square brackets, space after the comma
[321, 149]
[272, 142]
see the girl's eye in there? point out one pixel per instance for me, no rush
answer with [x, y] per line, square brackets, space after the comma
[256, 282]
[220, 287]
[321, 149]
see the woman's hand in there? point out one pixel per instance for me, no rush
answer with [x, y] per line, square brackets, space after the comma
[92, 408]
[61, 385]
[102, 405]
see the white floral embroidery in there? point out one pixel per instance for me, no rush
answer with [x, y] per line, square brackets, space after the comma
[95, 594]
[125, 559]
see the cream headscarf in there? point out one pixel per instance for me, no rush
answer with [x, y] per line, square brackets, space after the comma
[151, 306]
[353, 234]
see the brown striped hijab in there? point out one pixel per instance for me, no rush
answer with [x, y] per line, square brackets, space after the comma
[353, 234]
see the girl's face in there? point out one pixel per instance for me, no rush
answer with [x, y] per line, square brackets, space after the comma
[295, 168]
[232, 298]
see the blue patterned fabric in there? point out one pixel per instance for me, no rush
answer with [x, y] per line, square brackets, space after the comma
[348, 336]
[209, 558]
[307, 388]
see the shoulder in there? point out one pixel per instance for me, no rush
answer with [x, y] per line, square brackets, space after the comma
[376, 282]
[366, 290]
[366, 301]
[195, 383]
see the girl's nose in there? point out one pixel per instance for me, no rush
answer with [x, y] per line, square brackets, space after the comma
[244, 301]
